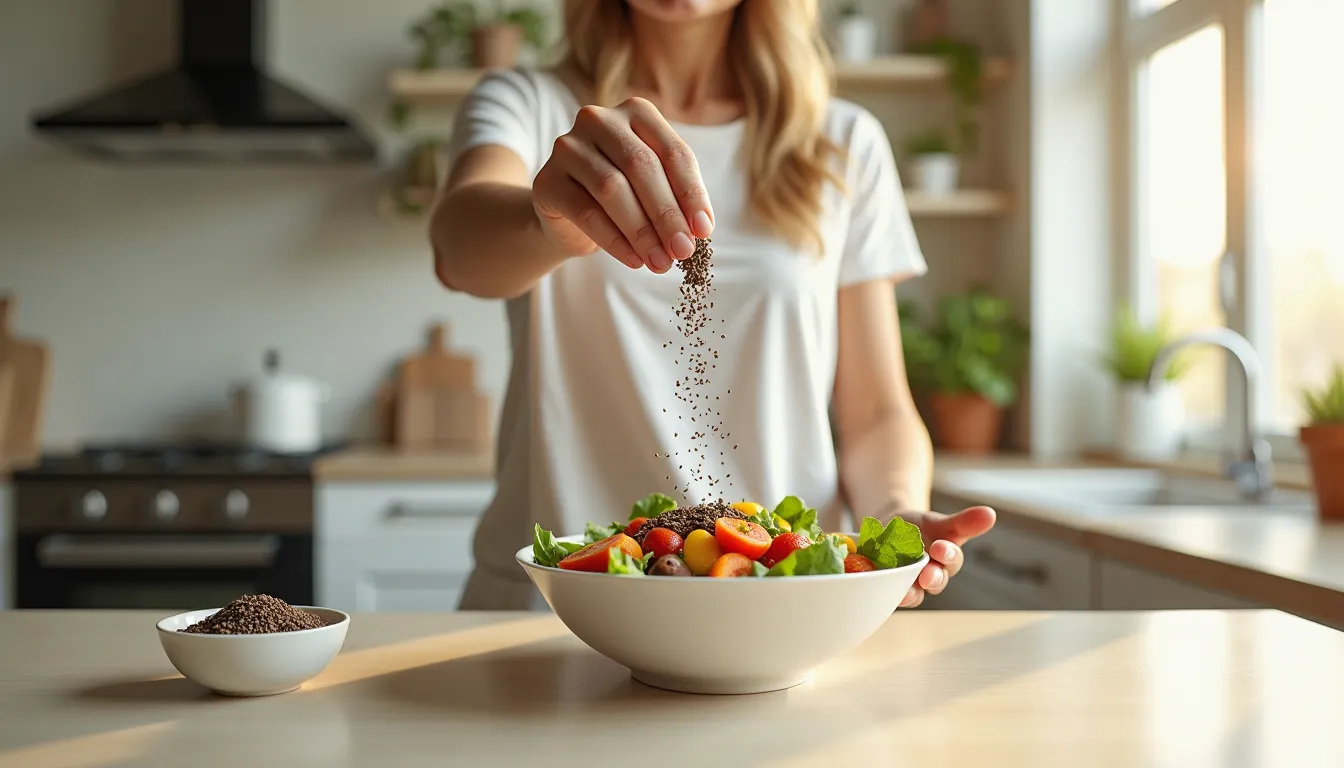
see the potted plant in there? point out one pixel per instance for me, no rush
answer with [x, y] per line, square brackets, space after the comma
[856, 34]
[967, 363]
[1323, 441]
[1150, 420]
[934, 167]
[493, 38]
[965, 72]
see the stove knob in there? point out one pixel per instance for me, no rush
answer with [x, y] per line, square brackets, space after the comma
[93, 506]
[236, 506]
[166, 505]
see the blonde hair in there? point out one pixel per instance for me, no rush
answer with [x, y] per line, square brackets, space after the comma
[784, 71]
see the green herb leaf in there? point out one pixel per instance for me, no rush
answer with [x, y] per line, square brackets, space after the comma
[645, 560]
[757, 569]
[766, 519]
[652, 506]
[621, 563]
[594, 533]
[800, 517]
[824, 556]
[897, 544]
[548, 551]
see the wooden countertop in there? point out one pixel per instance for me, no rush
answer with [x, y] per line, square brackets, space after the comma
[376, 463]
[1285, 559]
[931, 688]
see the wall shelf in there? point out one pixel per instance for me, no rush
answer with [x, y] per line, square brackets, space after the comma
[442, 85]
[962, 203]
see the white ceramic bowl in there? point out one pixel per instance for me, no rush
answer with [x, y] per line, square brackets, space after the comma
[252, 665]
[703, 635]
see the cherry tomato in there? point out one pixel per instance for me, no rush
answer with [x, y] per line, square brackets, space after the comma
[741, 536]
[784, 545]
[858, 564]
[662, 541]
[731, 565]
[595, 556]
[635, 525]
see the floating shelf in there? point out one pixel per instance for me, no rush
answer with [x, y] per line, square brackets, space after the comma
[962, 203]
[440, 85]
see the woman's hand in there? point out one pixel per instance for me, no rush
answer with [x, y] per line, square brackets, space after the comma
[622, 180]
[948, 533]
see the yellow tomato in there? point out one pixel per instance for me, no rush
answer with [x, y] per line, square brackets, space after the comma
[849, 543]
[747, 508]
[783, 524]
[699, 551]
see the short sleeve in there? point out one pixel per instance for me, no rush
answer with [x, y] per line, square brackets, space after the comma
[880, 242]
[503, 109]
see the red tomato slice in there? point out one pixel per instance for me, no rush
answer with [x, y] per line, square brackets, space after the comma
[595, 556]
[741, 536]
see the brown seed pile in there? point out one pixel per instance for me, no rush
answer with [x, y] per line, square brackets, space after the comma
[687, 519]
[255, 615]
[705, 421]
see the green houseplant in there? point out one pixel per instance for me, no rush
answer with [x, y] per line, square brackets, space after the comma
[934, 166]
[1150, 420]
[967, 362]
[1322, 439]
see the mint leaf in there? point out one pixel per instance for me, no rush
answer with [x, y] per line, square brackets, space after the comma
[800, 517]
[594, 533]
[824, 556]
[897, 544]
[790, 508]
[757, 569]
[621, 563]
[652, 506]
[766, 519]
[546, 550]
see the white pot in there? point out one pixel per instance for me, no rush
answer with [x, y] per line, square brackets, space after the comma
[936, 174]
[1150, 423]
[283, 412]
[857, 38]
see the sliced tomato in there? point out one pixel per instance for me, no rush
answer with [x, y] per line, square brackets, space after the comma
[595, 556]
[741, 536]
[730, 565]
[783, 546]
[858, 564]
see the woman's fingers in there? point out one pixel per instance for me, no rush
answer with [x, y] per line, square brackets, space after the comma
[913, 597]
[933, 579]
[560, 196]
[949, 555]
[679, 165]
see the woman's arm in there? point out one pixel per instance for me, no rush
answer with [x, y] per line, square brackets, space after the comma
[886, 457]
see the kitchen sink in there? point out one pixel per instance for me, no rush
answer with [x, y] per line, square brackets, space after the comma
[1109, 488]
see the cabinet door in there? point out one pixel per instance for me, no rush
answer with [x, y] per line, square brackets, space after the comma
[403, 576]
[6, 549]
[1010, 569]
[1126, 588]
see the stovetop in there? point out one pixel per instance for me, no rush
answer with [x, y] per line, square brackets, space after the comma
[169, 460]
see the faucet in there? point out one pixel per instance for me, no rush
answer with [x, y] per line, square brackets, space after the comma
[1249, 465]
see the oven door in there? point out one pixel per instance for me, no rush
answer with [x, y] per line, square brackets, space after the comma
[161, 572]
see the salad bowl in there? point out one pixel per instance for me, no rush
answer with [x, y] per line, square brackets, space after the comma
[721, 636]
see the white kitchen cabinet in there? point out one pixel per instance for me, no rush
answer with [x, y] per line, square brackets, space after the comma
[6, 547]
[396, 546]
[1126, 588]
[1012, 569]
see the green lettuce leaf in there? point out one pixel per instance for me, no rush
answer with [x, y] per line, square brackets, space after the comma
[593, 533]
[757, 569]
[800, 517]
[652, 506]
[825, 556]
[766, 519]
[621, 563]
[896, 544]
[546, 550]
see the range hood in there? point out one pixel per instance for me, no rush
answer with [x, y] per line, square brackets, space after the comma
[218, 104]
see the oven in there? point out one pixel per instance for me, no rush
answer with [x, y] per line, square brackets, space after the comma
[128, 535]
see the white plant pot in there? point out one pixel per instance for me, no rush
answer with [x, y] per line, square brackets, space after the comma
[857, 38]
[1150, 423]
[936, 174]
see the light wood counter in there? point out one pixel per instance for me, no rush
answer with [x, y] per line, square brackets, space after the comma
[1014, 689]
[375, 463]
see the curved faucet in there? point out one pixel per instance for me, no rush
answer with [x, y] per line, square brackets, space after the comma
[1250, 466]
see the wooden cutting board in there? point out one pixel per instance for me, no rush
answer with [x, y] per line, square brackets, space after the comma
[436, 403]
[29, 363]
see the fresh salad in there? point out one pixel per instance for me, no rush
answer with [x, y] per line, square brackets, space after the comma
[742, 539]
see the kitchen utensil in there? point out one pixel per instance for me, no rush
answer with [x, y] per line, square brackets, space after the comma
[850, 608]
[30, 365]
[437, 406]
[252, 665]
[284, 410]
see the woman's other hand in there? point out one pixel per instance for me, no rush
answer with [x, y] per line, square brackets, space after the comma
[947, 533]
[622, 180]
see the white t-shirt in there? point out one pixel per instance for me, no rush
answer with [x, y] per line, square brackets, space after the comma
[583, 425]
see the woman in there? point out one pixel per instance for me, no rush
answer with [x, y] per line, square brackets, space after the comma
[714, 117]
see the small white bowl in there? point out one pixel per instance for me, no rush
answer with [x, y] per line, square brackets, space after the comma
[725, 636]
[252, 665]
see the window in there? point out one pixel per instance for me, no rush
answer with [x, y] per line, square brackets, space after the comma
[1235, 115]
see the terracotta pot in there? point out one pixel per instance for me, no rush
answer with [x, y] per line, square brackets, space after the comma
[965, 423]
[496, 46]
[1325, 451]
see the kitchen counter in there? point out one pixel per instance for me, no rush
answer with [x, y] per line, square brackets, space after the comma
[976, 688]
[1289, 560]
[379, 463]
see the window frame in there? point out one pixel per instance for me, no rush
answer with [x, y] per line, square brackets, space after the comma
[1245, 279]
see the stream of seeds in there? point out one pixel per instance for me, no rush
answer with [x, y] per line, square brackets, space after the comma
[695, 351]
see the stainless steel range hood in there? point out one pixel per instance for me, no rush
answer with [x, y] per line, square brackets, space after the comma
[218, 105]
